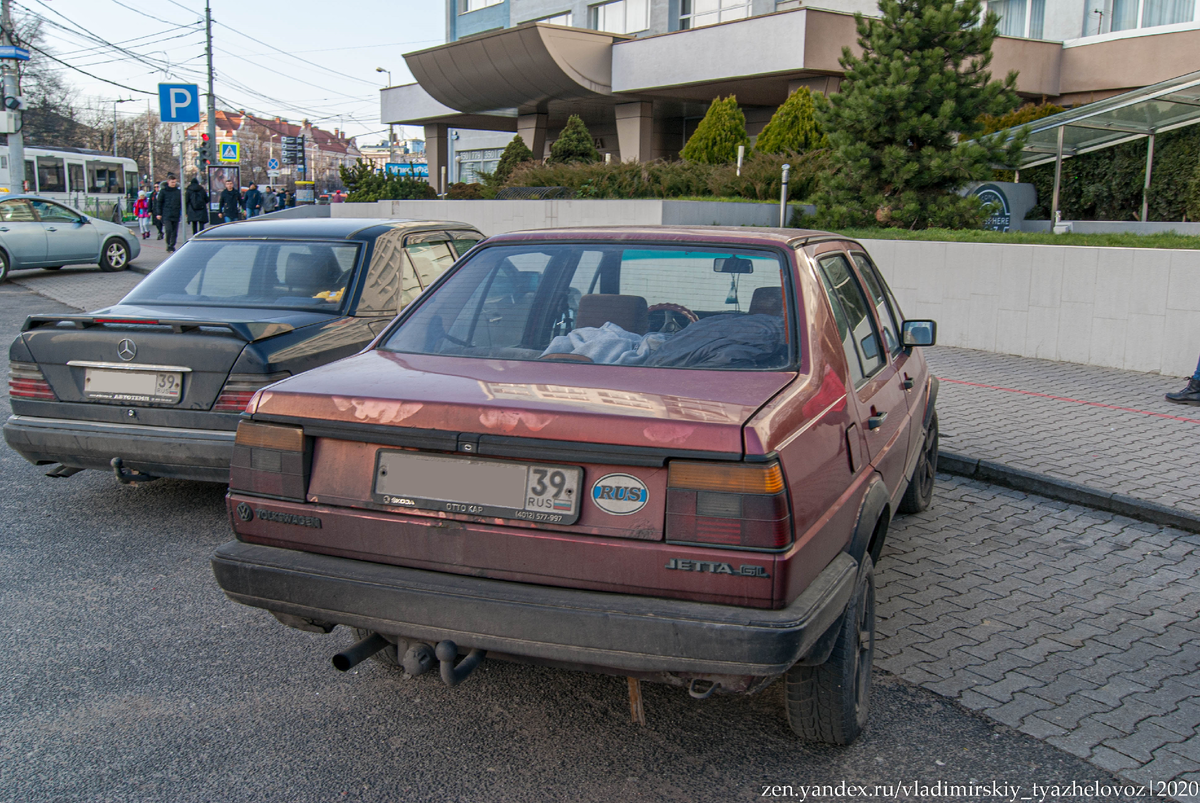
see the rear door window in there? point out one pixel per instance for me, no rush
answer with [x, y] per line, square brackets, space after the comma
[860, 340]
[877, 291]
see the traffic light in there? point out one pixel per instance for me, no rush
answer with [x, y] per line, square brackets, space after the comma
[204, 153]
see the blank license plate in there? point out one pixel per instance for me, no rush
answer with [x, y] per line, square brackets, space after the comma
[133, 386]
[495, 488]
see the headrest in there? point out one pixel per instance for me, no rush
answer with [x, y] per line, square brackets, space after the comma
[308, 274]
[627, 312]
[767, 301]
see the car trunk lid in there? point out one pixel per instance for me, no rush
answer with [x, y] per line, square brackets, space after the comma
[136, 357]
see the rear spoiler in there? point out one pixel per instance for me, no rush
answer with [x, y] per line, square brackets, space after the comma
[249, 331]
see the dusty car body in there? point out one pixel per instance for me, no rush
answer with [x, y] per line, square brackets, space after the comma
[158, 381]
[701, 506]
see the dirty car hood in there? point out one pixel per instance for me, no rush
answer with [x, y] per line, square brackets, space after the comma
[617, 405]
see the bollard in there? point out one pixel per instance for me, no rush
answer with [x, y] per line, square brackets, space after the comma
[783, 197]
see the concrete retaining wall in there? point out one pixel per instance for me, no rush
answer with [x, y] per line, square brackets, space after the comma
[1132, 308]
[498, 217]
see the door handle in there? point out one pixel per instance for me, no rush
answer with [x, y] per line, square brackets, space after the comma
[3, 228]
[876, 421]
[51, 228]
[908, 382]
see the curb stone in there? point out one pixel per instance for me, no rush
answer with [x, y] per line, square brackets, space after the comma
[1066, 491]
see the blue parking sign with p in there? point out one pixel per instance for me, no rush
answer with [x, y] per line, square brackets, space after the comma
[179, 103]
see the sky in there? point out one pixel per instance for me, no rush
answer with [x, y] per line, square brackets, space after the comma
[326, 72]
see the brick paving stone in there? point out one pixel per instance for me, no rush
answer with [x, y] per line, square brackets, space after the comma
[1125, 451]
[1077, 628]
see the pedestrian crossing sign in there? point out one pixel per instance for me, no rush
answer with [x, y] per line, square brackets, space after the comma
[228, 151]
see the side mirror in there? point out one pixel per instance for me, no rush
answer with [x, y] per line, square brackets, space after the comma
[84, 219]
[919, 333]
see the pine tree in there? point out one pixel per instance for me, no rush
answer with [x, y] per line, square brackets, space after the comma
[793, 127]
[574, 144]
[904, 127]
[717, 137]
[515, 152]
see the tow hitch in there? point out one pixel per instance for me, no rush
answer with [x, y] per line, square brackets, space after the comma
[452, 675]
[128, 476]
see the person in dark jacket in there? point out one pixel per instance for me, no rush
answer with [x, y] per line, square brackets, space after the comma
[196, 201]
[253, 202]
[229, 202]
[170, 209]
[153, 200]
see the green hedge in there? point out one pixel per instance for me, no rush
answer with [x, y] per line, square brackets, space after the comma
[1107, 184]
[760, 179]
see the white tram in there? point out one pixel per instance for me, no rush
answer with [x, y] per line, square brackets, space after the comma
[91, 181]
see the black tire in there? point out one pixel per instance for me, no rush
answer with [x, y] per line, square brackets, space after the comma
[919, 493]
[388, 656]
[52, 267]
[830, 703]
[114, 256]
[3, 267]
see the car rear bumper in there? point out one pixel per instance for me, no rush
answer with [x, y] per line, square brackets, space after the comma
[612, 631]
[186, 454]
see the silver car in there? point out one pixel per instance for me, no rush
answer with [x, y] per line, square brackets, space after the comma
[39, 233]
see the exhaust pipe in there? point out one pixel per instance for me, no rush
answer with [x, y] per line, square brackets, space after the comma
[452, 675]
[348, 659]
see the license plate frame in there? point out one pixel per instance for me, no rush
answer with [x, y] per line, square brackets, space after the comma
[497, 483]
[155, 386]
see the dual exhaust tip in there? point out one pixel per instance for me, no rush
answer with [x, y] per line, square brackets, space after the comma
[418, 660]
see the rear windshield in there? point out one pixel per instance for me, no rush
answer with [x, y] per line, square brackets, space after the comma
[609, 304]
[252, 273]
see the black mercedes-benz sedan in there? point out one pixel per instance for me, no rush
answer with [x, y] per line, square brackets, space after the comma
[155, 385]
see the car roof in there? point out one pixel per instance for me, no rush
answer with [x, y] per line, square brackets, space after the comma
[741, 235]
[323, 228]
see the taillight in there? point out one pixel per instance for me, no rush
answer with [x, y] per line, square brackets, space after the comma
[239, 389]
[270, 459]
[734, 505]
[25, 381]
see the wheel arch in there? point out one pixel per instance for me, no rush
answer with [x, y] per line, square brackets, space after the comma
[870, 528]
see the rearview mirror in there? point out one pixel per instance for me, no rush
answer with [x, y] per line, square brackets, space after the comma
[919, 333]
[732, 265]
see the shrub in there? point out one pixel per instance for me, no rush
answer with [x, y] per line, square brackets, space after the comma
[460, 191]
[363, 184]
[574, 144]
[1022, 116]
[1193, 196]
[719, 134]
[794, 127]
[515, 153]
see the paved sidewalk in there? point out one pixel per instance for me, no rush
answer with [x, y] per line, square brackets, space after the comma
[1102, 428]
[1075, 626]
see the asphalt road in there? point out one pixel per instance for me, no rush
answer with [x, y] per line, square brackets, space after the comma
[129, 677]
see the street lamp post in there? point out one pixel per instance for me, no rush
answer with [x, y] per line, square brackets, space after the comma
[114, 103]
[391, 130]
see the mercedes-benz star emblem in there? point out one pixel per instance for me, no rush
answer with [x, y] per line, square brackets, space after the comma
[126, 350]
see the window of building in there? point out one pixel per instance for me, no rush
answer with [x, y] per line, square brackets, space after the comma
[466, 6]
[1020, 17]
[564, 19]
[698, 13]
[1129, 15]
[622, 16]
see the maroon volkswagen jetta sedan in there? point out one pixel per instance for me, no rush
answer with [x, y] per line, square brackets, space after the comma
[665, 453]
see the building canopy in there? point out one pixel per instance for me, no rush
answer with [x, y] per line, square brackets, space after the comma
[1122, 118]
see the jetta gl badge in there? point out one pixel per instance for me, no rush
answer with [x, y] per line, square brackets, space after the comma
[620, 494]
[126, 350]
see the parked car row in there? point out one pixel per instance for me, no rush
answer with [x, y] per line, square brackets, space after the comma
[665, 453]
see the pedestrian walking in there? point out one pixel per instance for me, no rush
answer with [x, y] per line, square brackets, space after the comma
[268, 201]
[229, 202]
[253, 202]
[196, 200]
[153, 201]
[1190, 394]
[170, 209]
[141, 210]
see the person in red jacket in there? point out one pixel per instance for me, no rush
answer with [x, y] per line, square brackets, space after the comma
[141, 210]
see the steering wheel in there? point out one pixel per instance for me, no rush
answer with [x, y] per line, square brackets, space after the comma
[670, 318]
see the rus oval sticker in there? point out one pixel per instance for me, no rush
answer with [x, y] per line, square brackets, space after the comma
[620, 494]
